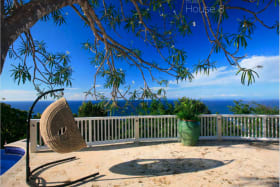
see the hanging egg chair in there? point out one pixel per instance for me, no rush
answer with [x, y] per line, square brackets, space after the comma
[59, 130]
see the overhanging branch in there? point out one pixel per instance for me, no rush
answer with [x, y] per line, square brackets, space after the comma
[23, 18]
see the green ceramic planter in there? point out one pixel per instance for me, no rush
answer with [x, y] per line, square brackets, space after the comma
[189, 132]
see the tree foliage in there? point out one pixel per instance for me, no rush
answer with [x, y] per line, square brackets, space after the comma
[156, 107]
[88, 109]
[241, 107]
[185, 108]
[156, 22]
[13, 124]
[37, 116]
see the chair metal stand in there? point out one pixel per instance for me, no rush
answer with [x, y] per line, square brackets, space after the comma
[29, 173]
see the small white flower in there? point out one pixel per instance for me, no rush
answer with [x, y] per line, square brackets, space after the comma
[120, 69]
[172, 46]
[174, 11]
[161, 14]
[148, 9]
[133, 82]
[67, 52]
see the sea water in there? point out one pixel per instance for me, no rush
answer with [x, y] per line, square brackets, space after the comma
[215, 106]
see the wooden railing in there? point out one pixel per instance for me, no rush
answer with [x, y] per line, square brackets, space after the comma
[107, 130]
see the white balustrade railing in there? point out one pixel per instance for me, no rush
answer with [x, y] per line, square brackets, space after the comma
[105, 130]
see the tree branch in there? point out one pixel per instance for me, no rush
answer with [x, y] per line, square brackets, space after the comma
[253, 13]
[23, 18]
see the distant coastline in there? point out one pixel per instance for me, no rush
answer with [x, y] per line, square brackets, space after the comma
[215, 106]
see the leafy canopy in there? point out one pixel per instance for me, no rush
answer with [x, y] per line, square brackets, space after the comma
[88, 109]
[156, 107]
[240, 107]
[157, 23]
[13, 124]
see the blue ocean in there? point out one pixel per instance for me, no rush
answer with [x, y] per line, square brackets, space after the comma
[215, 106]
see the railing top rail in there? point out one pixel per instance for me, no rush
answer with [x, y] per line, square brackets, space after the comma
[34, 120]
[124, 117]
[119, 117]
[167, 116]
[238, 115]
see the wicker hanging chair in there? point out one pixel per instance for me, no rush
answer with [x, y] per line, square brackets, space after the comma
[59, 130]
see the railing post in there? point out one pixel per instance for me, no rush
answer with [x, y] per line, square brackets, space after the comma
[33, 136]
[264, 127]
[90, 130]
[219, 127]
[136, 129]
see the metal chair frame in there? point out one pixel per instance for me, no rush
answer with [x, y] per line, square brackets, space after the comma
[28, 170]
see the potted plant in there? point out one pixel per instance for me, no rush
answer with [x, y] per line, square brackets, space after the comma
[187, 111]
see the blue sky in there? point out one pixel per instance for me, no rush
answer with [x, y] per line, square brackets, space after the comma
[263, 50]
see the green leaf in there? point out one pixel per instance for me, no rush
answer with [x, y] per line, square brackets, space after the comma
[21, 73]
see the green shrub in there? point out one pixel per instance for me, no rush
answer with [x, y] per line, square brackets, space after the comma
[262, 109]
[252, 108]
[157, 107]
[240, 108]
[37, 116]
[87, 109]
[13, 124]
[189, 109]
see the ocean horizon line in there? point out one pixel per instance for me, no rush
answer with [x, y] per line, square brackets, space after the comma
[220, 99]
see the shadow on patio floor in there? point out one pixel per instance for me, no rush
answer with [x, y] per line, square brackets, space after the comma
[160, 167]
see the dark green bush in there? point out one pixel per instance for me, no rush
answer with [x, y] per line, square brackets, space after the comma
[240, 108]
[262, 109]
[157, 107]
[252, 108]
[13, 124]
[87, 109]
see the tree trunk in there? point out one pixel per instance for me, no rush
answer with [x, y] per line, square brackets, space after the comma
[24, 18]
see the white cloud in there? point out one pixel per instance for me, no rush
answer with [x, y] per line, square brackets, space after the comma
[270, 70]
[220, 76]
[30, 95]
[226, 75]
[223, 83]
[226, 95]
[74, 96]
[18, 95]
[72, 88]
